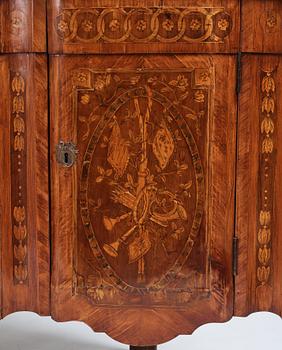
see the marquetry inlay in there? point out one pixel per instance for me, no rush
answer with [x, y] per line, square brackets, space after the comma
[18, 167]
[133, 25]
[141, 188]
[267, 167]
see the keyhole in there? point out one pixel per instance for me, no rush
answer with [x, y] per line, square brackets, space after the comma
[66, 158]
[66, 153]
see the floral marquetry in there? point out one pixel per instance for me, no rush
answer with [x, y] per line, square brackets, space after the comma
[143, 165]
[151, 120]
[146, 26]
[267, 163]
[19, 152]
[143, 225]
[183, 24]
[259, 184]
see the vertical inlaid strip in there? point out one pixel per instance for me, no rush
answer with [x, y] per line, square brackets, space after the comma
[19, 176]
[267, 167]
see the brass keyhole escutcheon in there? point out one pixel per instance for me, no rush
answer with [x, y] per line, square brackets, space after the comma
[66, 154]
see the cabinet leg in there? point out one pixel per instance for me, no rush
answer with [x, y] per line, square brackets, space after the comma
[143, 347]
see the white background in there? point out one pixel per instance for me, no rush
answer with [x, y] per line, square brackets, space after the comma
[28, 331]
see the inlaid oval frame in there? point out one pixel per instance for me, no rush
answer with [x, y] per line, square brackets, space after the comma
[171, 273]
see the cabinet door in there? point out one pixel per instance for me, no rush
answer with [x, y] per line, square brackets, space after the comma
[143, 155]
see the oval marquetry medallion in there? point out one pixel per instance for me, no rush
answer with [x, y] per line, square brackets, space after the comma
[143, 168]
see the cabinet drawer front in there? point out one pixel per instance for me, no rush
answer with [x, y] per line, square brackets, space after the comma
[143, 219]
[143, 26]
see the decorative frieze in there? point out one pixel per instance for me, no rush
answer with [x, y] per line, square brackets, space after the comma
[137, 25]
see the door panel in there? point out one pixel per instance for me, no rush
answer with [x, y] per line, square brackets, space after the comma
[147, 26]
[259, 286]
[143, 221]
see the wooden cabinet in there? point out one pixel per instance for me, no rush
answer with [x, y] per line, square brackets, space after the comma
[140, 154]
